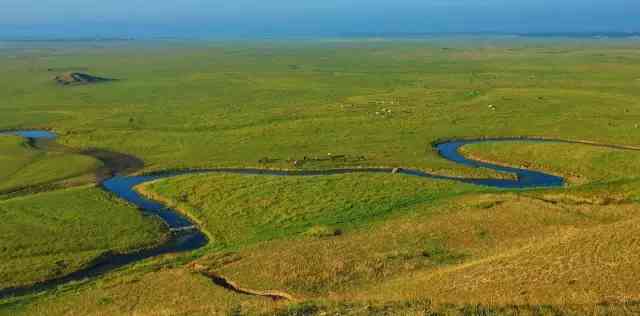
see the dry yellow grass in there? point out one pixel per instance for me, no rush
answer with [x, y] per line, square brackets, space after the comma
[576, 266]
[566, 247]
[562, 247]
[162, 292]
[517, 249]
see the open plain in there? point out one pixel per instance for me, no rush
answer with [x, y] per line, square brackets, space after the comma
[357, 243]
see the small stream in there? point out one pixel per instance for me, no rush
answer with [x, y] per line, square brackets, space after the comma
[186, 235]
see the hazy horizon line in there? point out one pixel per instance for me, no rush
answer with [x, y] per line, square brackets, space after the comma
[345, 35]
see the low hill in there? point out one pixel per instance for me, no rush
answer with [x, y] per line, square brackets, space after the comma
[76, 78]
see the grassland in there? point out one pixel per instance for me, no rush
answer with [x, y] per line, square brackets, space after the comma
[349, 244]
[459, 246]
[53, 234]
[579, 164]
[243, 210]
[431, 229]
[23, 166]
[206, 105]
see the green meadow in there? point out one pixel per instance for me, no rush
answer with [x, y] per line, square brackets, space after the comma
[25, 166]
[49, 235]
[216, 104]
[353, 244]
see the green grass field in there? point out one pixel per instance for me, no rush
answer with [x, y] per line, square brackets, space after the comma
[578, 163]
[24, 167]
[244, 210]
[53, 234]
[354, 244]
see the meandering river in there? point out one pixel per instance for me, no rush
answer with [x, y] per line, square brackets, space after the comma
[186, 236]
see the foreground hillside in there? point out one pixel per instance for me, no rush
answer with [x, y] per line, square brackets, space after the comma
[351, 244]
[388, 252]
[52, 234]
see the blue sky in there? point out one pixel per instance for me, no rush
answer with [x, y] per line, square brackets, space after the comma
[310, 17]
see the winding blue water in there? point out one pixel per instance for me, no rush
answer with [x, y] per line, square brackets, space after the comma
[123, 187]
[185, 235]
[31, 134]
[524, 178]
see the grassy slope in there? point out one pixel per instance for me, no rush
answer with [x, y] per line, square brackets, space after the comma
[578, 163]
[52, 234]
[552, 270]
[458, 246]
[242, 210]
[22, 166]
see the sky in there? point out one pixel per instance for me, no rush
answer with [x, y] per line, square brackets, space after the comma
[258, 18]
